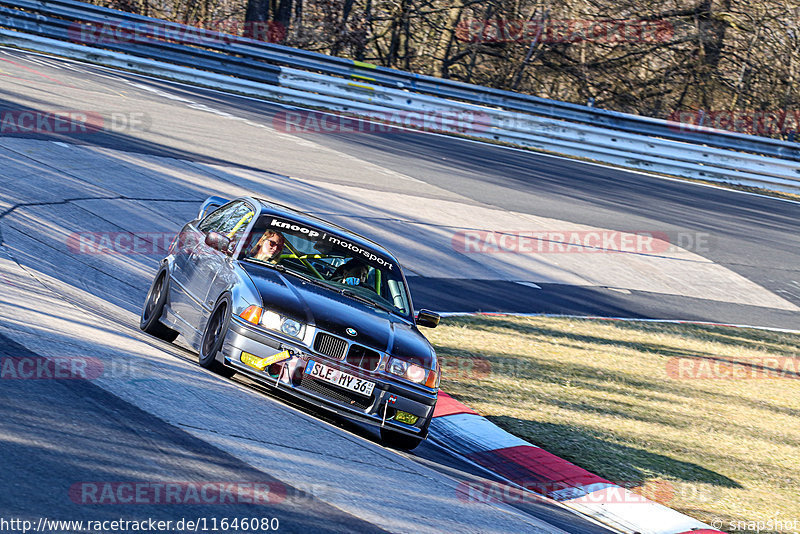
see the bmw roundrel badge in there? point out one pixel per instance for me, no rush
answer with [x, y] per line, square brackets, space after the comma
[351, 332]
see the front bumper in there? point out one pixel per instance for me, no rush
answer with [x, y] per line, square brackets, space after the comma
[381, 408]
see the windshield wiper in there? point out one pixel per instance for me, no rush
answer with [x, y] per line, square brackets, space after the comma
[282, 269]
[303, 276]
[365, 300]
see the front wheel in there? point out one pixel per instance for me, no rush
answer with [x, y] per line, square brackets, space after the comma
[213, 338]
[153, 307]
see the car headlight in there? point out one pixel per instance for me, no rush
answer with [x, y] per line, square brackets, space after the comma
[273, 321]
[397, 367]
[413, 372]
[292, 328]
[288, 326]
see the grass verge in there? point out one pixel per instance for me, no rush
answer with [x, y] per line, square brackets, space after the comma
[711, 415]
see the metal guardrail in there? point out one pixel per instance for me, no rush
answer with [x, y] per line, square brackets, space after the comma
[172, 52]
[282, 55]
[254, 67]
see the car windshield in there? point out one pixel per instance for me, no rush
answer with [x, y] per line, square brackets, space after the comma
[330, 259]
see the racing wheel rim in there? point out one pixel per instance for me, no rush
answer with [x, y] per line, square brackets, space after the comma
[153, 298]
[213, 335]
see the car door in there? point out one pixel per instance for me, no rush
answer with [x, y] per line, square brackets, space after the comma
[181, 303]
[212, 270]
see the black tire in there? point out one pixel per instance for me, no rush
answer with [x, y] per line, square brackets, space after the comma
[213, 337]
[153, 307]
[396, 440]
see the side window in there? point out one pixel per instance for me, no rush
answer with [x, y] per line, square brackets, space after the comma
[237, 224]
[230, 220]
[212, 221]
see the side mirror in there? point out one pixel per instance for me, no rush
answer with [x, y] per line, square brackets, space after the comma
[427, 318]
[219, 242]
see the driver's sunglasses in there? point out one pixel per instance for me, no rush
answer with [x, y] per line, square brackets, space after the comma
[274, 243]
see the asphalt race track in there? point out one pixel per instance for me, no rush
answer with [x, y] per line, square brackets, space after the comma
[152, 415]
[751, 238]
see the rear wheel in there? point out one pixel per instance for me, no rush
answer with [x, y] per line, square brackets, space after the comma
[153, 307]
[213, 337]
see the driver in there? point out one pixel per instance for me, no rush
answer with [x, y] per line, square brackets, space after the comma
[353, 273]
[269, 247]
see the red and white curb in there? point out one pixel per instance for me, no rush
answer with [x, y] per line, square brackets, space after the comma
[461, 429]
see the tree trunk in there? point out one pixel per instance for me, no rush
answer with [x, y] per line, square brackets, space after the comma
[442, 49]
[283, 16]
[256, 19]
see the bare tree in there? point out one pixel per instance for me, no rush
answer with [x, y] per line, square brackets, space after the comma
[651, 57]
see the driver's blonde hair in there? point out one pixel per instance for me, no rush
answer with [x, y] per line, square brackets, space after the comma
[269, 233]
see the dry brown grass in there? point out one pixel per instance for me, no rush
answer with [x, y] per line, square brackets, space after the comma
[616, 399]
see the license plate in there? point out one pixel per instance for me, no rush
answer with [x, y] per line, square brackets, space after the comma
[339, 378]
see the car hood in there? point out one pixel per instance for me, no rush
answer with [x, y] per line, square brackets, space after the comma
[335, 313]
